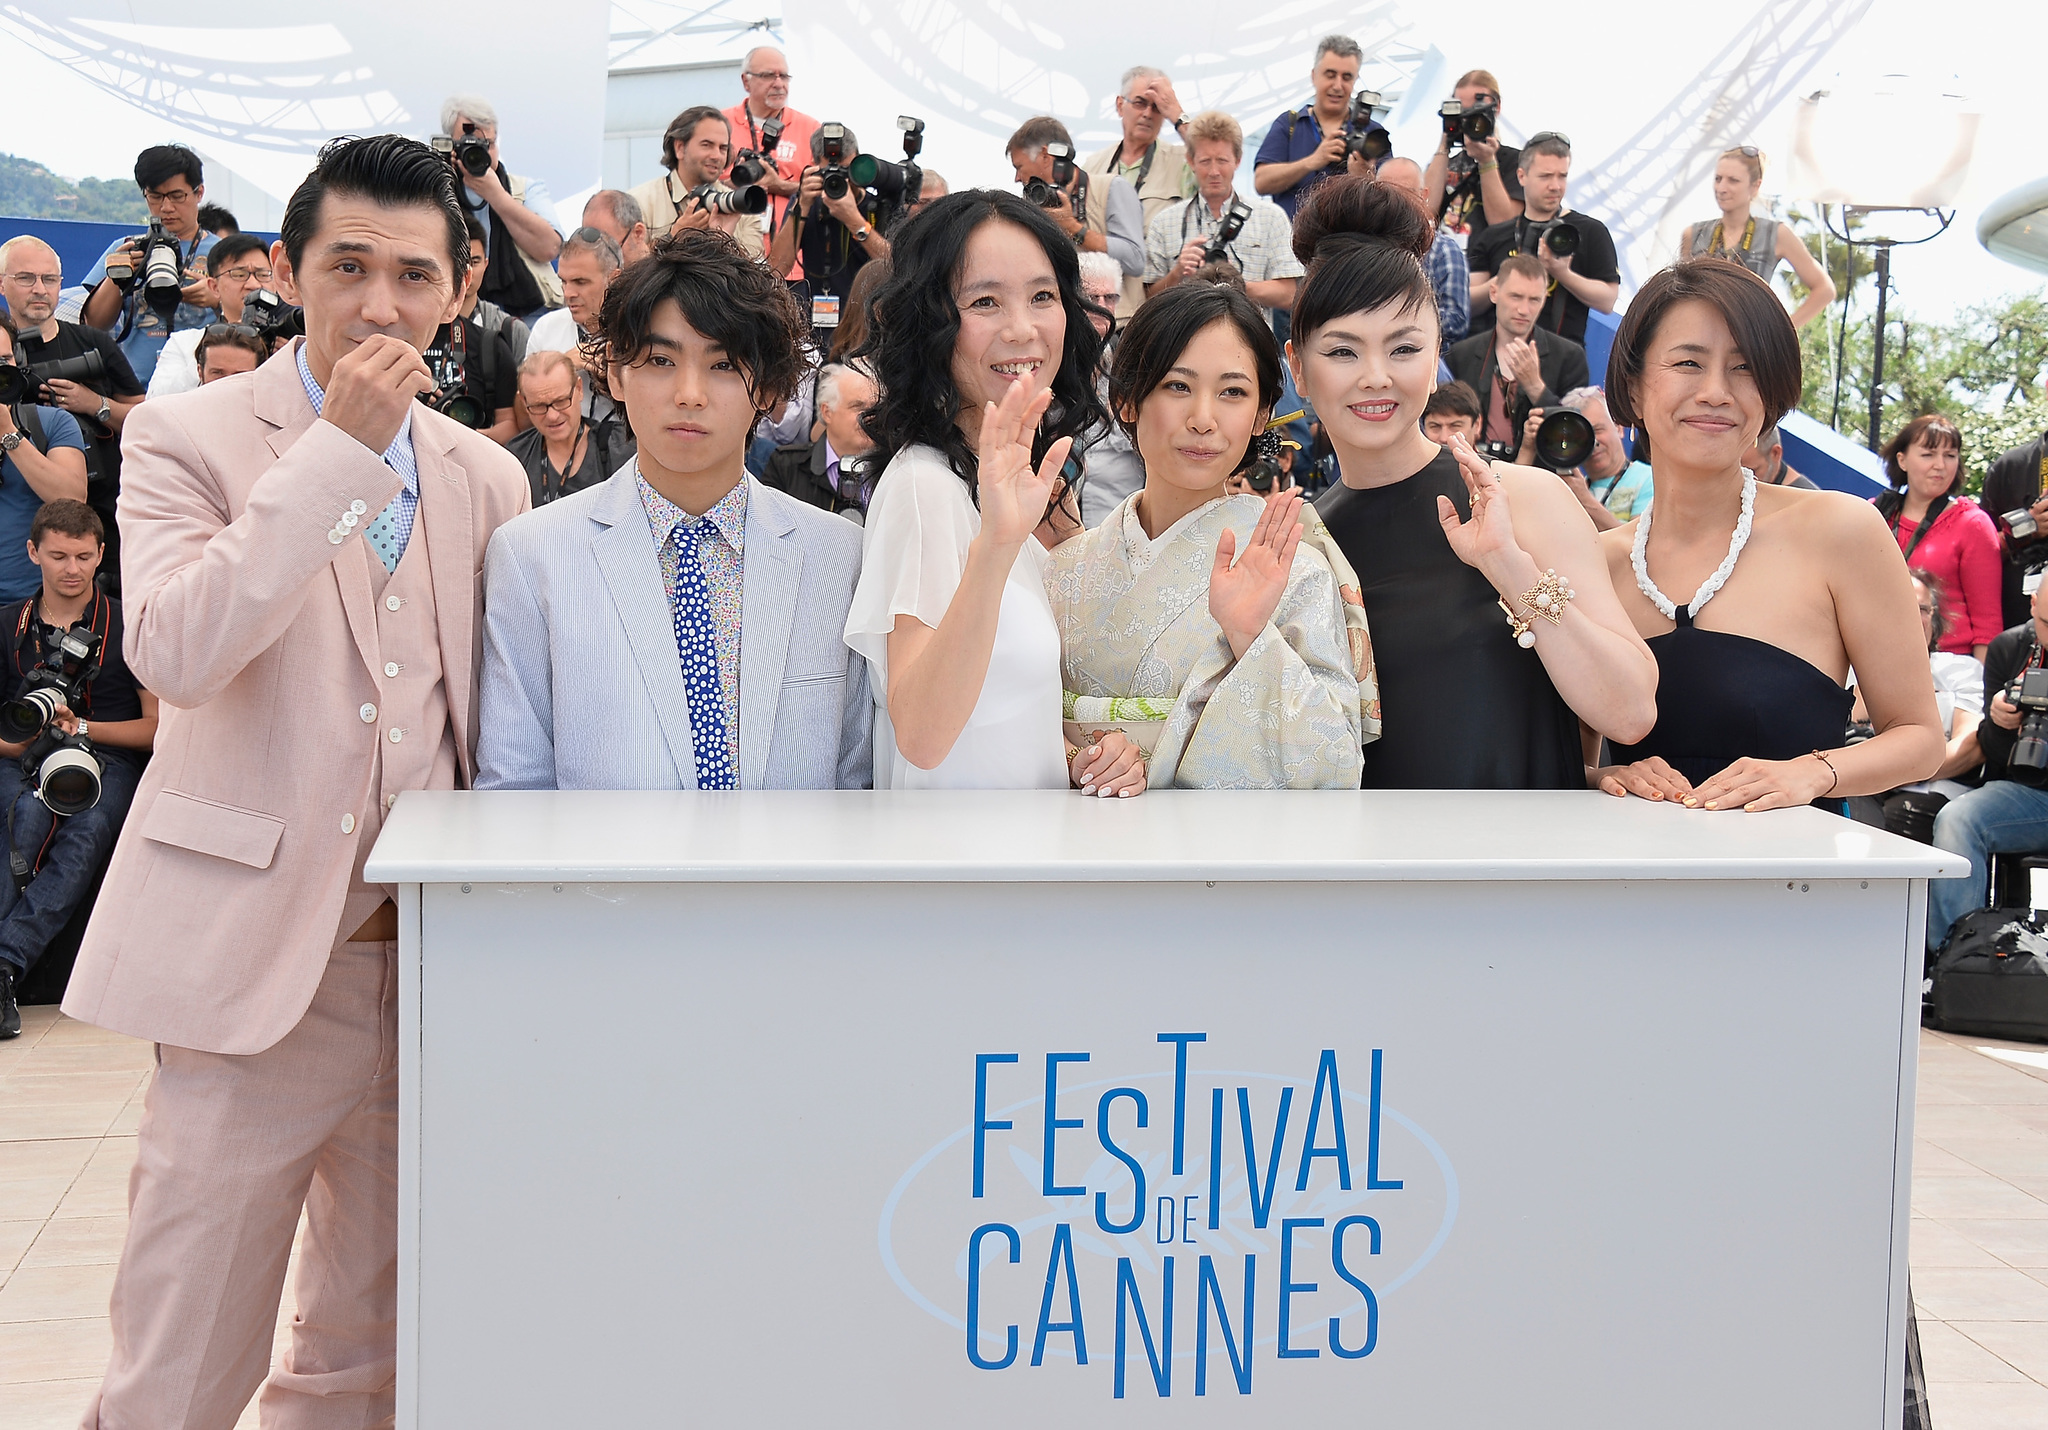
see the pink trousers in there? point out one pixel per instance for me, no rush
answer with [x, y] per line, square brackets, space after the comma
[231, 1148]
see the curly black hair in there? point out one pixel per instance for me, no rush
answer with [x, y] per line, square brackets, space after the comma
[916, 320]
[724, 294]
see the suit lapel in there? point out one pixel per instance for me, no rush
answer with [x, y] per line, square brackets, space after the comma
[624, 551]
[447, 523]
[769, 580]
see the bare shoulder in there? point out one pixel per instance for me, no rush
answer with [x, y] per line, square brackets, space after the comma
[1823, 516]
[1526, 485]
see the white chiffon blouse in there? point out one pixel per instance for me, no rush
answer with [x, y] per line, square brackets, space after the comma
[913, 554]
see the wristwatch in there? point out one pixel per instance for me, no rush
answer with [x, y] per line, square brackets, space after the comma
[105, 414]
[84, 730]
[863, 235]
[9, 441]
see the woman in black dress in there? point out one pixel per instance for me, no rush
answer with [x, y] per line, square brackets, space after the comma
[1752, 696]
[1495, 634]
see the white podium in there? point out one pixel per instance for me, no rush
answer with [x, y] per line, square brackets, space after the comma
[991, 1110]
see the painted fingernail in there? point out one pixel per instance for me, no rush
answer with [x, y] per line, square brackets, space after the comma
[1713, 804]
[1125, 793]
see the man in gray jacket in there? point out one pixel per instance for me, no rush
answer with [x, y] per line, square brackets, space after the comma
[678, 626]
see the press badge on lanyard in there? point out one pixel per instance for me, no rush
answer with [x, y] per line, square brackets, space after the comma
[824, 310]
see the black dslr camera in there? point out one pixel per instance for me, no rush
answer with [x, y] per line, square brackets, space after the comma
[1560, 238]
[1065, 173]
[2030, 694]
[895, 184]
[1226, 233]
[1359, 135]
[1462, 125]
[273, 319]
[451, 396]
[162, 277]
[63, 768]
[29, 382]
[750, 166]
[1564, 439]
[752, 199]
[466, 149]
[837, 154]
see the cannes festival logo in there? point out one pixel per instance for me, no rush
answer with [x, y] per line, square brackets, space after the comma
[1171, 1227]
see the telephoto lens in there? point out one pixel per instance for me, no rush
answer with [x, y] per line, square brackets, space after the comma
[455, 403]
[68, 780]
[1564, 439]
[752, 199]
[748, 169]
[1561, 239]
[1039, 192]
[1477, 123]
[23, 718]
[161, 281]
[20, 384]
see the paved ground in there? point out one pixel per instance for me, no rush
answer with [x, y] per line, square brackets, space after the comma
[71, 1097]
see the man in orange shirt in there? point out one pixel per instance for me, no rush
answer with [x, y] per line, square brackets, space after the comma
[766, 80]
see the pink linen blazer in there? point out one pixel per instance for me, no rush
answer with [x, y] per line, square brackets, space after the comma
[257, 633]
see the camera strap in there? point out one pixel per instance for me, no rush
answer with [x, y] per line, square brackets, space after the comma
[31, 425]
[1934, 511]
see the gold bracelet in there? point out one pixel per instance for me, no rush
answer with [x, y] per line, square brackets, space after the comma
[1835, 776]
[1524, 637]
[1549, 596]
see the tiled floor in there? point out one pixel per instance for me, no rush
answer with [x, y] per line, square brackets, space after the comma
[71, 1097]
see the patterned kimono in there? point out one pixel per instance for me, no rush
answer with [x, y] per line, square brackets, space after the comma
[1140, 652]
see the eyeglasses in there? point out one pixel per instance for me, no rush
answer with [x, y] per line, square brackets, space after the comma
[168, 196]
[1550, 134]
[771, 75]
[243, 275]
[1138, 102]
[563, 405]
[37, 280]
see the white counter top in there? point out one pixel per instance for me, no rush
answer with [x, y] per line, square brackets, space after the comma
[1173, 835]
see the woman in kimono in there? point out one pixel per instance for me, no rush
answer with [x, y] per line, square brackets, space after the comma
[1196, 622]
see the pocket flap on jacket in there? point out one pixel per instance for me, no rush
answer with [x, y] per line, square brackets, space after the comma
[201, 825]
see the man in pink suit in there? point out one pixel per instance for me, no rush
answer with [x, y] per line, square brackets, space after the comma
[301, 562]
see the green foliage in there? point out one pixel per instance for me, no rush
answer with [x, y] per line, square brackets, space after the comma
[1982, 367]
[28, 190]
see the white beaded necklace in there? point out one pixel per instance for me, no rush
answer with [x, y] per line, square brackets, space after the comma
[1713, 583]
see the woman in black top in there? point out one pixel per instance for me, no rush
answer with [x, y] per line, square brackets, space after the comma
[1474, 696]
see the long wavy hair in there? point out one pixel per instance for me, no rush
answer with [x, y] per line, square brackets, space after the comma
[915, 322]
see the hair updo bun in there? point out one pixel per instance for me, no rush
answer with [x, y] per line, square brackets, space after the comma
[1363, 243]
[1340, 212]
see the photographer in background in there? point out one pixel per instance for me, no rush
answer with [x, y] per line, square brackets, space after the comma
[564, 451]
[2016, 479]
[466, 360]
[1155, 168]
[1304, 146]
[1515, 365]
[237, 266]
[1485, 188]
[828, 471]
[1449, 277]
[765, 77]
[30, 279]
[42, 459]
[521, 237]
[1452, 411]
[1585, 275]
[1767, 461]
[696, 150]
[1108, 220]
[930, 191]
[1612, 489]
[1106, 455]
[2009, 814]
[217, 221]
[1177, 242]
[170, 177]
[618, 216]
[833, 234]
[227, 349]
[589, 263]
[62, 855]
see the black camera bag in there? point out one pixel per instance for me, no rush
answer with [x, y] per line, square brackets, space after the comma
[1991, 977]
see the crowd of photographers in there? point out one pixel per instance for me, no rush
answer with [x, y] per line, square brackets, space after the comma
[1516, 274]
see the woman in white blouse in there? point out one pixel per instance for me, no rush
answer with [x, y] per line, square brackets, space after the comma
[951, 610]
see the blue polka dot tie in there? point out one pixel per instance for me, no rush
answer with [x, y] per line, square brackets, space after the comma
[697, 645]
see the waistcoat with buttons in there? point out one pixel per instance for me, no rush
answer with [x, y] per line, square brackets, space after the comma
[414, 743]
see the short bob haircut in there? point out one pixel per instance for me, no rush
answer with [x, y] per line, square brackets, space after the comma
[1362, 243]
[1155, 339]
[725, 295]
[1929, 429]
[1757, 321]
[915, 322]
[387, 169]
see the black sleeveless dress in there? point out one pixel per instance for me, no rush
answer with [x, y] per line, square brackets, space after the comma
[1722, 697]
[1464, 706]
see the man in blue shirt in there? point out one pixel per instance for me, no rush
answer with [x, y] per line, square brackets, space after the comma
[42, 458]
[170, 177]
[1306, 145]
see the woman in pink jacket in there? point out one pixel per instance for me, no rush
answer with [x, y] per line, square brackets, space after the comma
[1943, 532]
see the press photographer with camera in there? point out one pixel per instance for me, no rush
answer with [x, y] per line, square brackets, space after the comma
[696, 150]
[145, 288]
[830, 471]
[521, 236]
[78, 368]
[1515, 365]
[1216, 223]
[1472, 180]
[930, 191]
[42, 459]
[71, 754]
[833, 228]
[1154, 166]
[590, 262]
[764, 124]
[476, 377]
[1611, 488]
[1575, 249]
[563, 451]
[2009, 813]
[1099, 216]
[1449, 277]
[1305, 146]
[2016, 490]
[238, 266]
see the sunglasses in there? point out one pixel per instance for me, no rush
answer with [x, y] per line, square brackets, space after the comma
[1550, 134]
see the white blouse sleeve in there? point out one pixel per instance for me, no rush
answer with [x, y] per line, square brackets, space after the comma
[913, 552]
